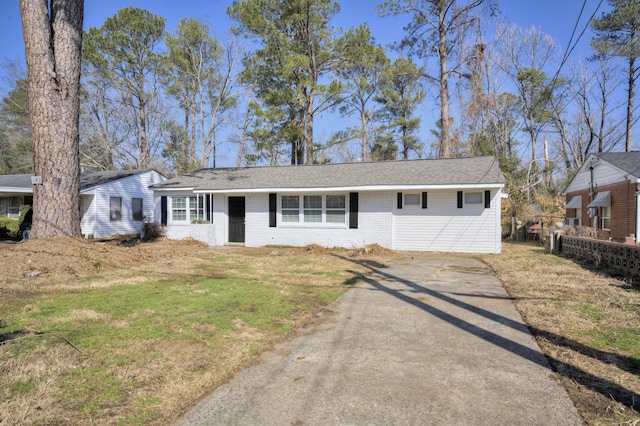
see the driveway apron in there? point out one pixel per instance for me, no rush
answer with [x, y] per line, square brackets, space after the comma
[428, 340]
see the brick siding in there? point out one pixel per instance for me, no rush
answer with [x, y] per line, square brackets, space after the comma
[623, 209]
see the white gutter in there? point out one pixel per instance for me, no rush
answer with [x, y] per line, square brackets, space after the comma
[15, 190]
[339, 189]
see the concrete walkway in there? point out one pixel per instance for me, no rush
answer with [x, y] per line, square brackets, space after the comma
[430, 340]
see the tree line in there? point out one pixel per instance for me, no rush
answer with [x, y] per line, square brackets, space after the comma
[150, 97]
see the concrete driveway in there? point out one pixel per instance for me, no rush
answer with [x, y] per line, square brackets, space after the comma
[429, 340]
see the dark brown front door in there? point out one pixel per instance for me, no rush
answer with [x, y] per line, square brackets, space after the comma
[236, 219]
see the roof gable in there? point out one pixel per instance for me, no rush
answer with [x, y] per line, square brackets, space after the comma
[87, 180]
[608, 168]
[626, 161]
[450, 171]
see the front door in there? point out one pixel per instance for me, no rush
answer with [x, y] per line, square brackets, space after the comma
[236, 219]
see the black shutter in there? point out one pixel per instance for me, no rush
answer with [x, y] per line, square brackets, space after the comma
[272, 210]
[487, 199]
[353, 210]
[459, 199]
[399, 200]
[163, 210]
[424, 200]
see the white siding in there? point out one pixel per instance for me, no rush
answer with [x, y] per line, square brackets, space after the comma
[88, 212]
[211, 234]
[445, 228]
[374, 218]
[441, 227]
[136, 186]
[603, 174]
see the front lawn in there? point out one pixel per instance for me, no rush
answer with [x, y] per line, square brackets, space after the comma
[112, 341]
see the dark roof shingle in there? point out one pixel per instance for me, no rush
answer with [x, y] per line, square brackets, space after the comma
[450, 171]
[87, 179]
[627, 161]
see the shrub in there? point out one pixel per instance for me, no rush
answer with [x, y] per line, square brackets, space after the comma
[8, 227]
[151, 231]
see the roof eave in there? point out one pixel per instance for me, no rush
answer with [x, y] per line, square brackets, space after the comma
[496, 185]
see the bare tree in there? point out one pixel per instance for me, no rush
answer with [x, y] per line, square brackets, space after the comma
[524, 55]
[53, 42]
[591, 126]
[438, 26]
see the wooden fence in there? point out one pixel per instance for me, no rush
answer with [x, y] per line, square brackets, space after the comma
[623, 259]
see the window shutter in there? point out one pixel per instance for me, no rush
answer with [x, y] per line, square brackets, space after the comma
[459, 199]
[163, 210]
[399, 200]
[424, 200]
[487, 199]
[272, 210]
[353, 210]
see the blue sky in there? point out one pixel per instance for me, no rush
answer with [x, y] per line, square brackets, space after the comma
[555, 17]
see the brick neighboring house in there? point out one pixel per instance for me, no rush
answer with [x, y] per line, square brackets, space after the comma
[604, 195]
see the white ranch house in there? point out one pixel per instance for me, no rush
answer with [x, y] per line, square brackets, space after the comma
[111, 202]
[445, 205]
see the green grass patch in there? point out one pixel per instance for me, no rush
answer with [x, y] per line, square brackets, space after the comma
[103, 329]
[590, 312]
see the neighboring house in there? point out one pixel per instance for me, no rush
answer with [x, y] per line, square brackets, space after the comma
[448, 205]
[111, 203]
[15, 191]
[604, 195]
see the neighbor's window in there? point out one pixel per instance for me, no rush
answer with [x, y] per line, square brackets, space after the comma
[336, 208]
[473, 198]
[411, 199]
[606, 218]
[115, 209]
[579, 216]
[136, 209]
[313, 208]
[179, 208]
[290, 208]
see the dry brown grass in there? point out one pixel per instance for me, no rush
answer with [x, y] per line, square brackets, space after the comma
[157, 379]
[567, 307]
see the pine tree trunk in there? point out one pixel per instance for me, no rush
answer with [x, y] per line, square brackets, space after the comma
[445, 118]
[630, 99]
[53, 52]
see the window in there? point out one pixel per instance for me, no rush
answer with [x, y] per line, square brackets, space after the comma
[196, 209]
[473, 198]
[579, 216]
[115, 209]
[412, 199]
[10, 206]
[290, 208]
[179, 208]
[336, 206]
[606, 218]
[312, 208]
[315, 209]
[136, 209]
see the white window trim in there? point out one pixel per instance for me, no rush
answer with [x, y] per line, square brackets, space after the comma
[416, 205]
[317, 225]
[468, 202]
[201, 197]
[605, 217]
